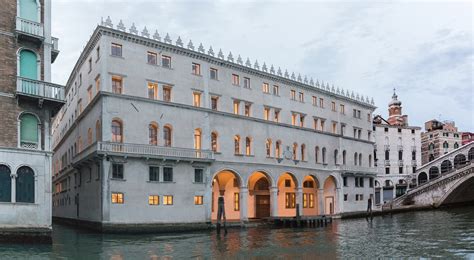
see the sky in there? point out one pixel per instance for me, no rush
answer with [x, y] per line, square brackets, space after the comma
[423, 49]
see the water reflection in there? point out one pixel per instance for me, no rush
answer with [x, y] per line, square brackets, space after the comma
[444, 233]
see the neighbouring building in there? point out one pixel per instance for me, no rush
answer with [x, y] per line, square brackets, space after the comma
[467, 137]
[439, 138]
[28, 101]
[154, 133]
[397, 152]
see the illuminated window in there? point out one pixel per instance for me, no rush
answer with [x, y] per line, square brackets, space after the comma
[265, 88]
[166, 61]
[152, 58]
[166, 93]
[197, 139]
[248, 146]
[167, 135]
[117, 198]
[301, 97]
[237, 144]
[214, 141]
[247, 108]
[116, 50]
[246, 82]
[305, 200]
[276, 90]
[293, 119]
[311, 200]
[236, 107]
[266, 113]
[198, 200]
[153, 134]
[152, 90]
[196, 99]
[290, 200]
[321, 103]
[213, 73]
[117, 84]
[315, 101]
[235, 79]
[214, 101]
[268, 147]
[236, 201]
[277, 115]
[153, 200]
[342, 109]
[117, 131]
[293, 94]
[168, 200]
[196, 69]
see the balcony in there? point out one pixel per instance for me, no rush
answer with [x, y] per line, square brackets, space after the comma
[387, 162]
[400, 163]
[44, 91]
[386, 147]
[29, 30]
[144, 151]
[54, 49]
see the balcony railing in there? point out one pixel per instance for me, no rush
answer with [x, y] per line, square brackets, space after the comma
[41, 89]
[29, 27]
[387, 162]
[400, 163]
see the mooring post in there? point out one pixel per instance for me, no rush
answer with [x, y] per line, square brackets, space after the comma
[221, 215]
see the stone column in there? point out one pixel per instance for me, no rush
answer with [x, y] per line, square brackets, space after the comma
[106, 200]
[244, 198]
[208, 194]
[338, 202]
[13, 190]
[274, 201]
[321, 201]
[299, 200]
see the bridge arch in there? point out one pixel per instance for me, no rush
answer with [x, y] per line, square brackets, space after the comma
[422, 178]
[446, 166]
[462, 191]
[433, 173]
[470, 154]
[459, 160]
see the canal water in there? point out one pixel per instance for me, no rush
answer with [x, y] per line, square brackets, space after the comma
[447, 233]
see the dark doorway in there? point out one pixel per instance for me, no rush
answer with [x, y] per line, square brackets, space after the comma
[262, 204]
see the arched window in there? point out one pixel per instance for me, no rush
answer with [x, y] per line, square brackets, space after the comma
[29, 10]
[303, 152]
[295, 151]
[278, 149]
[248, 146]
[28, 69]
[360, 159]
[25, 185]
[268, 147]
[324, 154]
[445, 147]
[214, 141]
[237, 144]
[167, 135]
[316, 154]
[117, 131]
[98, 131]
[355, 158]
[335, 156]
[89, 136]
[344, 157]
[29, 132]
[153, 134]
[197, 139]
[456, 145]
[5, 184]
[431, 147]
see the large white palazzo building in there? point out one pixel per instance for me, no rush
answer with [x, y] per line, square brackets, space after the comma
[154, 132]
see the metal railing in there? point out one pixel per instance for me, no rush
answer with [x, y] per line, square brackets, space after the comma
[29, 27]
[39, 88]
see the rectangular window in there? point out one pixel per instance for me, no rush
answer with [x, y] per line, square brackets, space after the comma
[315, 101]
[322, 124]
[293, 119]
[166, 93]
[196, 69]
[301, 97]
[315, 123]
[265, 88]
[301, 120]
[90, 64]
[236, 201]
[166, 61]
[276, 90]
[345, 197]
[235, 80]
[321, 102]
[117, 198]
[117, 84]
[117, 171]
[198, 200]
[293, 94]
[287, 183]
[334, 127]
[198, 175]
[266, 113]
[168, 200]
[247, 109]
[213, 73]
[358, 114]
[97, 53]
[154, 173]
[400, 170]
[290, 200]
[246, 82]
[342, 109]
[277, 115]
[214, 101]
[152, 58]
[333, 106]
[153, 200]
[97, 83]
[196, 99]
[369, 117]
[116, 50]
[344, 180]
[89, 94]
[311, 200]
[167, 174]
[236, 107]
[152, 90]
[305, 200]
[387, 170]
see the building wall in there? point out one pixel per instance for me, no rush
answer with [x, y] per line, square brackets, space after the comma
[438, 138]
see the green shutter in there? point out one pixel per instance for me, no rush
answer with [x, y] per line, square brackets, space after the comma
[25, 185]
[5, 184]
[29, 128]
[29, 10]
[28, 66]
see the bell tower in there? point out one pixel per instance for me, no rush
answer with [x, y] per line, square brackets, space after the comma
[395, 116]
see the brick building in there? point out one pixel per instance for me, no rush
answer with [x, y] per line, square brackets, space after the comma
[439, 138]
[28, 101]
